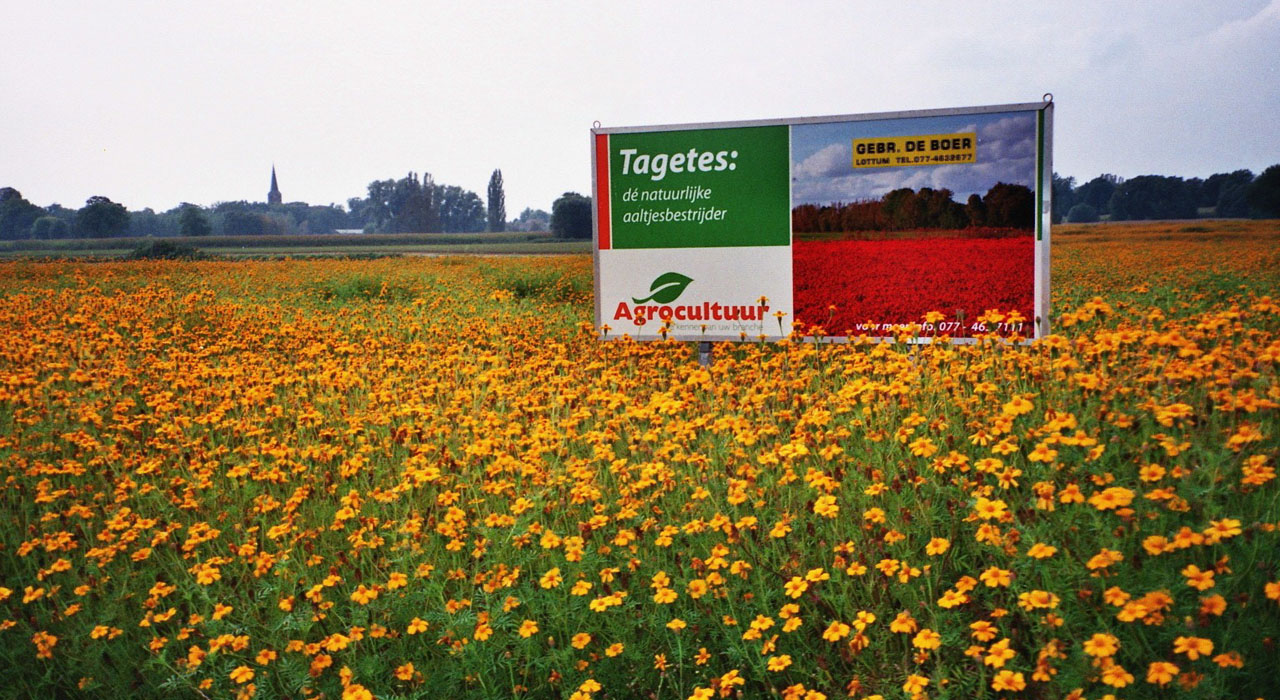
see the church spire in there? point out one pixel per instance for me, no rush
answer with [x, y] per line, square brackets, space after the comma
[274, 197]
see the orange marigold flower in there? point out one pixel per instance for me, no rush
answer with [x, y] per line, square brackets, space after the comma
[996, 577]
[914, 684]
[927, 639]
[836, 631]
[1115, 676]
[1197, 579]
[989, 509]
[1008, 680]
[1161, 672]
[1101, 645]
[242, 674]
[983, 631]
[1041, 550]
[1193, 647]
[1229, 659]
[998, 654]
[903, 623]
[826, 507]
[1111, 498]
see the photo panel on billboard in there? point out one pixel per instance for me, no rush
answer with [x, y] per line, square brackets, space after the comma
[927, 220]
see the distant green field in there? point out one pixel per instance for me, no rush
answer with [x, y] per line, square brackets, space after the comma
[514, 243]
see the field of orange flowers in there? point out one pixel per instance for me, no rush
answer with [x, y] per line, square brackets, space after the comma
[429, 478]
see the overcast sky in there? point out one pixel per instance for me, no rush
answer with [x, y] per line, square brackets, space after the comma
[156, 103]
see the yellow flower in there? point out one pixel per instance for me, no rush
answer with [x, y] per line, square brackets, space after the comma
[826, 507]
[779, 663]
[903, 623]
[1111, 498]
[1008, 680]
[1101, 645]
[836, 631]
[664, 596]
[405, 672]
[1161, 672]
[914, 684]
[551, 579]
[936, 546]
[363, 595]
[987, 509]
[1041, 550]
[998, 654]
[927, 639]
[580, 640]
[1197, 579]
[1115, 676]
[1193, 647]
[983, 631]
[996, 577]
[528, 628]
[242, 674]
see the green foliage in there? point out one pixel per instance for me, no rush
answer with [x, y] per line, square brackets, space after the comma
[363, 288]
[497, 203]
[1010, 206]
[531, 220]
[571, 216]
[542, 284]
[1082, 214]
[165, 249]
[48, 227]
[461, 211]
[192, 222]
[1152, 197]
[16, 214]
[1097, 192]
[1063, 197]
[905, 209]
[1264, 193]
[102, 218]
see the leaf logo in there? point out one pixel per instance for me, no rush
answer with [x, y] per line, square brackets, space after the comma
[666, 288]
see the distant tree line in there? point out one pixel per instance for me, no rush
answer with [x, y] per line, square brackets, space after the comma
[905, 209]
[1238, 194]
[412, 204]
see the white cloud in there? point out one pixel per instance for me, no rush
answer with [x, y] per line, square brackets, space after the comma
[831, 161]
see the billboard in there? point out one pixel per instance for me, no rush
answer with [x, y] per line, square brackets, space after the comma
[927, 224]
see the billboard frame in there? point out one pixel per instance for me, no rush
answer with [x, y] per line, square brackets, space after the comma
[600, 207]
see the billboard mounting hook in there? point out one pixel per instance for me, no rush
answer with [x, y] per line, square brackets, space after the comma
[1048, 97]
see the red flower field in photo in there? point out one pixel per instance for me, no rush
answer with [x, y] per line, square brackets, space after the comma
[874, 283]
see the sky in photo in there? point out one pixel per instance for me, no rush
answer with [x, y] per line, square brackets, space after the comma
[154, 103]
[822, 169]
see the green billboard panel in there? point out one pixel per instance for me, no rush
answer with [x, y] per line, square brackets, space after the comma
[700, 188]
